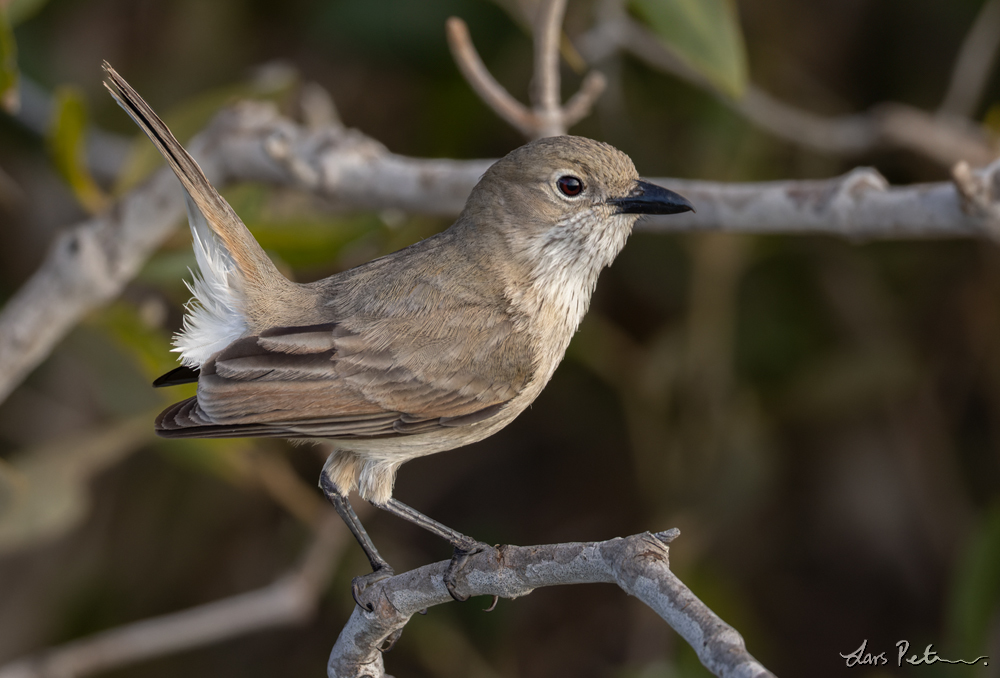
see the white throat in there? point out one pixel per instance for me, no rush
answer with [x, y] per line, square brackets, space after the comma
[568, 260]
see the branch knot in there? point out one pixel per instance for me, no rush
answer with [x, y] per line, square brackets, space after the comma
[978, 191]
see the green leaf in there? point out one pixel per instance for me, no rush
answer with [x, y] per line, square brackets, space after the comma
[705, 34]
[9, 97]
[66, 146]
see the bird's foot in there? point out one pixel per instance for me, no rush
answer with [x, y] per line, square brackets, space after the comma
[458, 560]
[361, 584]
[390, 641]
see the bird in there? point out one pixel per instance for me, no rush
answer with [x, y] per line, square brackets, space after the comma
[431, 348]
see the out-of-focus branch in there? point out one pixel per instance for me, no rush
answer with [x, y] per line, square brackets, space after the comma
[49, 495]
[638, 564]
[943, 140]
[979, 191]
[579, 105]
[106, 151]
[974, 62]
[290, 600]
[946, 139]
[546, 95]
[547, 117]
[90, 263]
[86, 266]
[482, 81]
[859, 205]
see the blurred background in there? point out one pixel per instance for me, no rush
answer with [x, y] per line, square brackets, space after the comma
[819, 417]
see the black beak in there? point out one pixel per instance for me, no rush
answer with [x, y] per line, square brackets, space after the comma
[649, 198]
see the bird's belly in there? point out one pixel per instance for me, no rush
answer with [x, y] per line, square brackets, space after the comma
[397, 450]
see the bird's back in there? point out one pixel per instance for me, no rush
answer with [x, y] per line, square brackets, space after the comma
[402, 345]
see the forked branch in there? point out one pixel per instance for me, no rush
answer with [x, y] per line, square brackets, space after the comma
[945, 139]
[547, 117]
[974, 63]
[638, 564]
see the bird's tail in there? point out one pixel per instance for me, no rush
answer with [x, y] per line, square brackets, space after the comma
[236, 274]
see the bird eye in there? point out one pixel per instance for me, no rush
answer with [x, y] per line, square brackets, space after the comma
[570, 186]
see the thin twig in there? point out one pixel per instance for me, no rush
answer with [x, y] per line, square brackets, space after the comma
[288, 601]
[546, 86]
[547, 117]
[580, 104]
[974, 62]
[638, 564]
[274, 473]
[483, 82]
[944, 139]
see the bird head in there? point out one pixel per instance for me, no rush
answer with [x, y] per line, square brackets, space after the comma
[567, 201]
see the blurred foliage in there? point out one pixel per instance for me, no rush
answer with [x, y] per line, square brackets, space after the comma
[820, 418]
[704, 34]
[66, 144]
[976, 596]
[44, 492]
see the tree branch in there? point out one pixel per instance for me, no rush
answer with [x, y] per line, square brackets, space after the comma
[974, 63]
[546, 86]
[288, 601]
[859, 205]
[86, 266]
[638, 564]
[580, 104]
[547, 117]
[91, 263]
[482, 81]
[944, 139]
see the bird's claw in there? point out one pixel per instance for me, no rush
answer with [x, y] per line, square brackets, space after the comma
[390, 641]
[458, 561]
[360, 584]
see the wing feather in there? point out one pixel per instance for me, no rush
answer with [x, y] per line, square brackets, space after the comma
[327, 381]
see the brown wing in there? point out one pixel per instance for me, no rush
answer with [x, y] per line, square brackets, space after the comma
[327, 381]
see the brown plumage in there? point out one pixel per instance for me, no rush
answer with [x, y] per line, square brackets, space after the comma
[430, 348]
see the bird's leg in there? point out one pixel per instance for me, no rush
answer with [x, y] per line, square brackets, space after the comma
[464, 546]
[380, 568]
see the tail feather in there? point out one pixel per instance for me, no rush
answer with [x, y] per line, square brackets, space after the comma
[236, 275]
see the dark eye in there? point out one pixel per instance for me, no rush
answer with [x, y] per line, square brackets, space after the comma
[570, 186]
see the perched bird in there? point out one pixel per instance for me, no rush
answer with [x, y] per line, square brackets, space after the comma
[433, 347]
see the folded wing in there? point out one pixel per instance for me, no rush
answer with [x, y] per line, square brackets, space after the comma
[327, 381]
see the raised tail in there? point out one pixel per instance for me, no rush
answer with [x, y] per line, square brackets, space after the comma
[237, 278]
